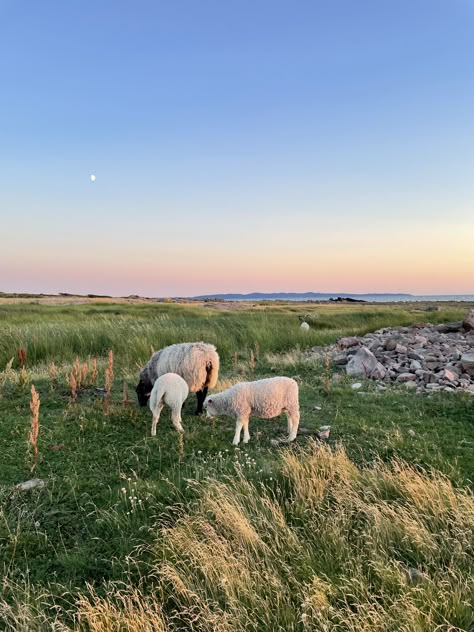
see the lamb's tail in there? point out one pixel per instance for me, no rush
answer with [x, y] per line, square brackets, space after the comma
[158, 395]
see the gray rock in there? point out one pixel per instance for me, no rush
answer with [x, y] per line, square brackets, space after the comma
[31, 484]
[468, 322]
[379, 372]
[356, 386]
[415, 355]
[362, 363]
[406, 377]
[348, 341]
[467, 361]
[390, 344]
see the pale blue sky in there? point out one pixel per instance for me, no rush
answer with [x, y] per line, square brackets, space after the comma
[238, 146]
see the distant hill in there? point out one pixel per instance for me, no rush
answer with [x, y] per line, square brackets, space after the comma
[295, 296]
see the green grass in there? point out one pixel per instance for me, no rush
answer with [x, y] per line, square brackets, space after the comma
[59, 333]
[106, 544]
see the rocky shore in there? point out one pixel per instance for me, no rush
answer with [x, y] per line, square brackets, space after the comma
[426, 358]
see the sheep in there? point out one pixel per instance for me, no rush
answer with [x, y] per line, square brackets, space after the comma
[263, 398]
[196, 362]
[172, 390]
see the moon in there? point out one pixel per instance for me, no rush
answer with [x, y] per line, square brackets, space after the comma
[93, 177]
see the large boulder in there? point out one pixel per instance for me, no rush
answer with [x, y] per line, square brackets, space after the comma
[468, 322]
[362, 363]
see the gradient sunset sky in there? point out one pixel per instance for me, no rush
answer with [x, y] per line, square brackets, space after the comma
[238, 146]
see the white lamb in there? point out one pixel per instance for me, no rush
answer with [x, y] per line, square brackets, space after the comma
[196, 362]
[172, 390]
[264, 398]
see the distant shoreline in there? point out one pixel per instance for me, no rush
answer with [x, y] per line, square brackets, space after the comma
[307, 297]
[330, 297]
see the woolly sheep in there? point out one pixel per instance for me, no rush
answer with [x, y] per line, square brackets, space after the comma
[264, 398]
[196, 362]
[172, 390]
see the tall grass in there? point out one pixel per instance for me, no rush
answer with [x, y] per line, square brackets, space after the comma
[329, 547]
[324, 546]
[59, 334]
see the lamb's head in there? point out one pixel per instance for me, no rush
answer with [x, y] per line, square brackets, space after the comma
[211, 406]
[143, 390]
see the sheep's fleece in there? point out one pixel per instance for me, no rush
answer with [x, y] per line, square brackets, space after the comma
[263, 398]
[187, 359]
[172, 390]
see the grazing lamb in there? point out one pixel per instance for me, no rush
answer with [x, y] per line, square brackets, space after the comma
[263, 398]
[196, 362]
[172, 390]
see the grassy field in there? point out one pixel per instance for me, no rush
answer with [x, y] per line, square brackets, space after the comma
[372, 530]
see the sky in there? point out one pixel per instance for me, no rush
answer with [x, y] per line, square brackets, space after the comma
[238, 146]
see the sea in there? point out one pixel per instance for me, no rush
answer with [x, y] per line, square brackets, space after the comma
[370, 298]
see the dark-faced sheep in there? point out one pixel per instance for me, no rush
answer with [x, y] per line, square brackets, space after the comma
[196, 362]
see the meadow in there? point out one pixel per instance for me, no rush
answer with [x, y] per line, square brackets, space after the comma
[370, 530]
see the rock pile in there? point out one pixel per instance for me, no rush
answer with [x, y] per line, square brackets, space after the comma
[425, 358]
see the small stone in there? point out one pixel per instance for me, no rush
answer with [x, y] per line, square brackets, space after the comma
[401, 348]
[420, 340]
[411, 432]
[324, 432]
[348, 341]
[449, 375]
[390, 344]
[31, 484]
[467, 361]
[406, 377]
[356, 386]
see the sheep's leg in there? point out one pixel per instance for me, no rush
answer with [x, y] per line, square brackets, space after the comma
[176, 419]
[201, 396]
[246, 430]
[156, 418]
[238, 427]
[293, 423]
